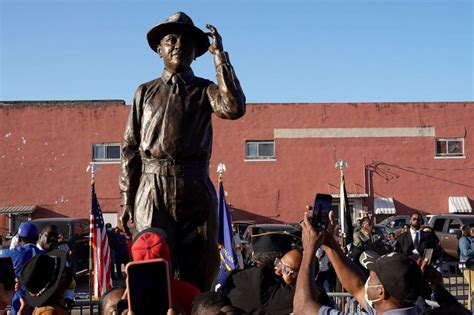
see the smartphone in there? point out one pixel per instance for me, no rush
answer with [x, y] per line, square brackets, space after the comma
[7, 273]
[148, 284]
[427, 254]
[321, 208]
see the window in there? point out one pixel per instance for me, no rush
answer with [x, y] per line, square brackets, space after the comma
[454, 224]
[438, 225]
[259, 150]
[399, 223]
[104, 152]
[449, 147]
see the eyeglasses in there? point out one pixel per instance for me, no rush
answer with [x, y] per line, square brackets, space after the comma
[285, 269]
[416, 219]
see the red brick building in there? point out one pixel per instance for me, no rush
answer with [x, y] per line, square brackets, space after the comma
[401, 157]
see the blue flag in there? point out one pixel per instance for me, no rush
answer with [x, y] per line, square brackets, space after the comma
[225, 239]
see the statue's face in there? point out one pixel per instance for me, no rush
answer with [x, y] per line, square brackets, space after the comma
[178, 51]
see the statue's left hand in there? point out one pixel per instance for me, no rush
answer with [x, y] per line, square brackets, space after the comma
[216, 43]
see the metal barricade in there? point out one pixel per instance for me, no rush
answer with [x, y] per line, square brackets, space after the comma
[344, 301]
[82, 307]
[456, 281]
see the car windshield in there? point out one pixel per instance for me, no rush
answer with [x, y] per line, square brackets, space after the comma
[62, 226]
[241, 228]
[387, 220]
[80, 228]
[382, 229]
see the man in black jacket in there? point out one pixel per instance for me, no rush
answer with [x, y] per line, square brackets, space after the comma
[416, 240]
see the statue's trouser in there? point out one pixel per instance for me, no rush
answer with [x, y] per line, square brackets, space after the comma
[181, 200]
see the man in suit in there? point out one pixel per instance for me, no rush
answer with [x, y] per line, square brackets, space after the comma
[416, 240]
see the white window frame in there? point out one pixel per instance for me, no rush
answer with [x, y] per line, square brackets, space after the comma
[105, 145]
[448, 155]
[259, 157]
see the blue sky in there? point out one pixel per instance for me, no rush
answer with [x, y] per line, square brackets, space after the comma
[282, 50]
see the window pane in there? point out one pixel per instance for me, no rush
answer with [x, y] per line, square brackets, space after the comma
[99, 152]
[113, 152]
[251, 149]
[455, 147]
[266, 149]
[453, 224]
[438, 225]
[440, 147]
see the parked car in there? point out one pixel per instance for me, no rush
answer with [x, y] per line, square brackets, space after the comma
[382, 229]
[256, 229]
[396, 221]
[448, 229]
[76, 233]
[242, 225]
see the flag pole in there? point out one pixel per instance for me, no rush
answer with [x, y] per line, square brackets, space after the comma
[341, 164]
[92, 168]
[221, 170]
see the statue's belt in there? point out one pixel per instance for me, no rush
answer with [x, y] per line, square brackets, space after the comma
[175, 168]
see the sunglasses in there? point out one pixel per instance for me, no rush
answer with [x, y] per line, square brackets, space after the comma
[285, 269]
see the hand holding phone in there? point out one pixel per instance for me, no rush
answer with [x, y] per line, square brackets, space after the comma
[427, 255]
[321, 209]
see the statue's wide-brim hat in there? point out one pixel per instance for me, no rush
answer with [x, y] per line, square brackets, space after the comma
[178, 22]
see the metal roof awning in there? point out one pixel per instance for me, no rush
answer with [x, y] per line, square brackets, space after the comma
[459, 204]
[384, 205]
[22, 209]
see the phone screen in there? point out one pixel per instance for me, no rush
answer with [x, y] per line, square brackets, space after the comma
[321, 208]
[7, 273]
[427, 254]
[148, 287]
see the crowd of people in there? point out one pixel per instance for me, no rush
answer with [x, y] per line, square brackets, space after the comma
[384, 276]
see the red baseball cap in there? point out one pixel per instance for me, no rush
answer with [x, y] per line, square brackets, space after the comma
[150, 244]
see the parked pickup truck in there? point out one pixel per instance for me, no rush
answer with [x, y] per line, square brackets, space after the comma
[448, 229]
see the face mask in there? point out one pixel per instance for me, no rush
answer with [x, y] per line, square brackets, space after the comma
[366, 286]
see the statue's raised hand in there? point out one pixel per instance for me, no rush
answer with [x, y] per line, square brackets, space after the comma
[216, 42]
[126, 219]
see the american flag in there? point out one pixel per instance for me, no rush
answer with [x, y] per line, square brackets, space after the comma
[100, 248]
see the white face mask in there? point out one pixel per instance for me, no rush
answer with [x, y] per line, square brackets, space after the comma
[366, 286]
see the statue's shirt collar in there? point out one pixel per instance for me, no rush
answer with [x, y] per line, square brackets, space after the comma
[186, 77]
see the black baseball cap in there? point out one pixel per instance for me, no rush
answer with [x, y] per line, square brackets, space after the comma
[400, 275]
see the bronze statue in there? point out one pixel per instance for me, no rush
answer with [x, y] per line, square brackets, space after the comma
[164, 180]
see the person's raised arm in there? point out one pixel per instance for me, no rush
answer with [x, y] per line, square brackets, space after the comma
[304, 302]
[350, 276]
